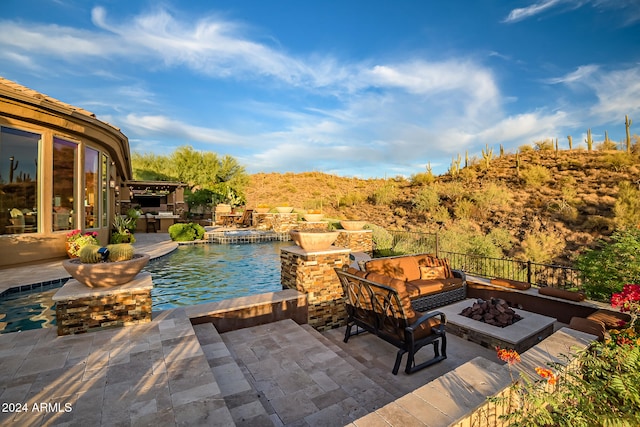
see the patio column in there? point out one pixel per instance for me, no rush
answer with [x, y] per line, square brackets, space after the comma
[312, 273]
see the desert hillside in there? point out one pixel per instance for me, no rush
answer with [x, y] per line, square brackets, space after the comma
[561, 201]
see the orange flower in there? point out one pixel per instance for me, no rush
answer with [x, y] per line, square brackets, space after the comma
[547, 374]
[508, 355]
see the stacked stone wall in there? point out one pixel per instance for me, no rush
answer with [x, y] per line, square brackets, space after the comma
[357, 241]
[278, 222]
[93, 313]
[313, 274]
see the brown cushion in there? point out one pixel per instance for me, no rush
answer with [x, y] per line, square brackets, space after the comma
[400, 288]
[513, 284]
[424, 330]
[356, 272]
[590, 326]
[403, 268]
[431, 261]
[427, 273]
[611, 319]
[417, 288]
[561, 293]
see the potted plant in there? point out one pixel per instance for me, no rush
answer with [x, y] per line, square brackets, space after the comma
[76, 240]
[314, 240]
[313, 215]
[262, 208]
[284, 208]
[112, 265]
[352, 224]
[122, 230]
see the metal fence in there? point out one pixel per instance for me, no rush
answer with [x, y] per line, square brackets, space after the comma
[557, 276]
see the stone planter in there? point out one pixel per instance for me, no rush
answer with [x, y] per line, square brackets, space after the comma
[313, 217]
[261, 210]
[105, 274]
[353, 225]
[284, 209]
[314, 240]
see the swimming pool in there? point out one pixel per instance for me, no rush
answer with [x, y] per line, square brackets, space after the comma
[192, 274]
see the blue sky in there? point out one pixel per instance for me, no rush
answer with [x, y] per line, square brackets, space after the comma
[356, 88]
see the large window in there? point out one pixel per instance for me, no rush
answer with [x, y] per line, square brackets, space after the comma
[18, 181]
[91, 187]
[64, 168]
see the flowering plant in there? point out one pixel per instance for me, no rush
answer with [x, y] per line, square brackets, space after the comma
[76, 240]
[629, 301]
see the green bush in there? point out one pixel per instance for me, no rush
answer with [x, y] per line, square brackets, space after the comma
[385, 194]
[186, 232]
[426, 200]
[382, 239]
[536, 176]
[627, 206]
[606, 270]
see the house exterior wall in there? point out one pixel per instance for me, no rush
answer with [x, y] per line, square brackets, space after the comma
[25, 110]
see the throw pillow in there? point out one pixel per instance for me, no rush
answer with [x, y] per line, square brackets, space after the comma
[428, 273]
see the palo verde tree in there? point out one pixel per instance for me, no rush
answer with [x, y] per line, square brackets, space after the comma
[200, 170]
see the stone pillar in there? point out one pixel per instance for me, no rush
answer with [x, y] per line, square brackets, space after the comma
[80, 308]
[312, 273]
[356, 240]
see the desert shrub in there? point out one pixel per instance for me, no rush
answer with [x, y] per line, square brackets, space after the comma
[546, 145]
[599, 224]
[382, 239]
[186, 232]
[492, 196]
[541, 247]
[384, 194]
[605, 270]
[525, 148]
[536, 176]
[453, 190]
[426, 200]
[464, 209]
[606, 146]
[468, 175]
[424, 178]
[617, 162]
[351, 199]
[441, 214]
[627, 206]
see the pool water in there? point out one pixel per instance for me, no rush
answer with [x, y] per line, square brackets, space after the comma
[205, 273]
[192, 274]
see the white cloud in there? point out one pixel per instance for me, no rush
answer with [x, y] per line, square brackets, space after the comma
[156, 125]
[522, 13]
[580, 74]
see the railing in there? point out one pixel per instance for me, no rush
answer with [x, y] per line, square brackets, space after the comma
[557, 276]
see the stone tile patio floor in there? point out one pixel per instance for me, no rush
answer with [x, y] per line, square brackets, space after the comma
[169, 372]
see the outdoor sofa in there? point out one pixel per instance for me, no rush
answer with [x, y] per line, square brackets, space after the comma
[385, 310]
[430, 281]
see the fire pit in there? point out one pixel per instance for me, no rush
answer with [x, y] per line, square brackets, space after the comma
[520, 336]
[496, 312]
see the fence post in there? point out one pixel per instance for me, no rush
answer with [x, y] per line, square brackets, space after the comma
[529, 272]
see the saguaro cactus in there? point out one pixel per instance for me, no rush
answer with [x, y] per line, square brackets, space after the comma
[12, 168]
[517, 163]
[487, 155]
[570, 142]
[627, 125]
[589, 140]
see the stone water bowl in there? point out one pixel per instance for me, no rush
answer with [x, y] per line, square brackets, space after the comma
[352, 225]
[314, 240]
[105, 274]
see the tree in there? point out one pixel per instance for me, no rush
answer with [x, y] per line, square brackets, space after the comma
[223, 176]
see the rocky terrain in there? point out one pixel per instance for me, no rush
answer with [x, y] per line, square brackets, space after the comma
[566, 199]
